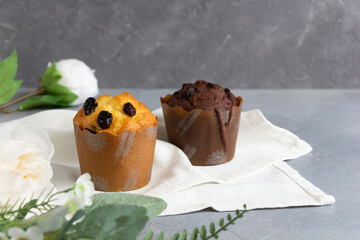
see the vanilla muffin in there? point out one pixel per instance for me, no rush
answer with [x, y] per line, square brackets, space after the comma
[115, 139]
[114, 114]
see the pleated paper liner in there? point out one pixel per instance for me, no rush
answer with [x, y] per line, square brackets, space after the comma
[207, 137]
[117, 163]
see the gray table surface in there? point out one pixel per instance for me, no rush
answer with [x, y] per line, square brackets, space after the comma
[327, 119]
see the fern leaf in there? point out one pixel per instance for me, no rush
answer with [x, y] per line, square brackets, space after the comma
[149, 236]
[176, 236]
[161, 236]
[194, 234]
[183, 235]
[221, 222]
[203, 232]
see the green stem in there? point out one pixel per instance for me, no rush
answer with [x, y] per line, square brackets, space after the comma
[226, 225]
[39, 91]
[51, 198]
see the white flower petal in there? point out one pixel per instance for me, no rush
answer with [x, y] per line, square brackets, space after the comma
[10, 151]
[85, 189]
[83, 178]
[36, 136]
[34, 166]
[12, 185]
[34, 233]
[88, 201]
[78, 78]
[24, 162]
[16, 233]
[73, 203]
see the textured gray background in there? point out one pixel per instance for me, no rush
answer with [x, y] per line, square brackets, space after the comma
[239, 44]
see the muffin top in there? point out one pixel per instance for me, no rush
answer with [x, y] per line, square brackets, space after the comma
[203, 95]
[114, 114]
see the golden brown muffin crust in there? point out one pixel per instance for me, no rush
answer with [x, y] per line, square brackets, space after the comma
[121, 121]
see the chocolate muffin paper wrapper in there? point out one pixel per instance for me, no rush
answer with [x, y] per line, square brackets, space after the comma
[199, 133]
[117, 163]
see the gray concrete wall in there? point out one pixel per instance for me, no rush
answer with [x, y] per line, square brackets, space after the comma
[163, 43]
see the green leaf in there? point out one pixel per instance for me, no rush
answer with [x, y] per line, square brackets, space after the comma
[49, 81]
[183, 235]
[221, 222]
[61, 92]
[203, 232]
[8, 84]
[194, 234]
[212, 228]
[175, 236]
[111, 222]
[38, 101]
[154, 206]
[60, 95]
[26, 208]
[161, 236]
[50, 76]
[149, 236]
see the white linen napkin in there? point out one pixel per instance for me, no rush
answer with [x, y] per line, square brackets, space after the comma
[256, 176]
[276, 186]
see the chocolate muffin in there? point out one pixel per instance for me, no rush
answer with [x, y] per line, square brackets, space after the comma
[202, 118]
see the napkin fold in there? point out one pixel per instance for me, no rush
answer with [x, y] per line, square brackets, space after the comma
[257, 176]
[276, 186]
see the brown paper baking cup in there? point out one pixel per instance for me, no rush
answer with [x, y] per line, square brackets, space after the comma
[200, 134]
[117, 163]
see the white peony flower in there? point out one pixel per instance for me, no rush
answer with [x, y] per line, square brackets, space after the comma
[3, 236]
[84, 189]
[78, 78]
[32, 233]
[25, 154]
